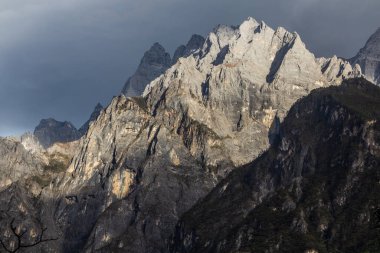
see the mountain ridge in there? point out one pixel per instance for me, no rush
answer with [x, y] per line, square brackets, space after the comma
[369, 58]
[210, 111]
[146, 160]
[307, 192]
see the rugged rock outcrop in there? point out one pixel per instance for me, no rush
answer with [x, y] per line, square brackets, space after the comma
[94, 115]
[146, 160]
[16, 162]
[154, 62]
[50, 131]
[195, 43]
[26, 171]
[369, 58]
[315, 190]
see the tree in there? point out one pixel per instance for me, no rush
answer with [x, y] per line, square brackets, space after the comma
[19, 242]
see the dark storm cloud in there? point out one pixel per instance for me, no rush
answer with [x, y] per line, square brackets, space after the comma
[59, 58]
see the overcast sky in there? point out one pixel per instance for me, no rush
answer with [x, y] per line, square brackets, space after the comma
[58, 58]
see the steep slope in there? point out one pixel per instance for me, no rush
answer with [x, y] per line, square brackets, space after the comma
[315, 190]
[27, 170]
[154, 62]
[369, 58]
[50, 131]
[195, 43]
[94, 115]
[146, 160]
[16, 162]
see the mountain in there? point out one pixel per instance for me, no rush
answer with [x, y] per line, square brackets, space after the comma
[315, 190]
[16, 162]
[50, 131]
[145, 161]
[195, 43]
[369, 58]
[94, 115]
[154, 62]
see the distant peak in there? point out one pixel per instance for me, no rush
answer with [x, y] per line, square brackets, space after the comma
[157, 47]
[98, 106]
[195, 40]
[249, 23]
[224, 29]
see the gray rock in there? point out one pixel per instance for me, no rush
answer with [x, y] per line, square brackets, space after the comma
[94, 115]
[315, 187]
[195, 43]
[50, 131]
[16, 162]
[155, 62]
[146, 160]
[149, 159]
[369, 58]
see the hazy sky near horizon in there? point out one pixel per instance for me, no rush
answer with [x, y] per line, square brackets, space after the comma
[59, 58]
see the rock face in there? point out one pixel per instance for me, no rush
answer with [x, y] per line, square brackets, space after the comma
[155, 62]
[313, 189]
[16, 162]
[50, 131]
[94, 115]
[26, 171]
[369, 58]
[146, 160]
[195, 43]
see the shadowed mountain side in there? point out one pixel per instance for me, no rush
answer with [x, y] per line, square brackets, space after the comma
[315, 190]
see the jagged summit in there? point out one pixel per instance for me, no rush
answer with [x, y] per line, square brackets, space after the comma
[94, 115]
[201, 118]
[156, 55]
[50, 131]
[147, 160]
[196, 42]
[154, 62]
[369, 58]
[267, 55]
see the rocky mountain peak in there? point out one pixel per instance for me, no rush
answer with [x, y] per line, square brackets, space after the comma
[198, 120]
[50, 131]
[369, 58]
[94, 115]
[156, 55]
[196, 42]
[154, 62]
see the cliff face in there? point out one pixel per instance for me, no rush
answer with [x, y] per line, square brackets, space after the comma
[154, 62]
[50, 131]
[16, 162]
[94, 115]
[315, 190]
[146, 160]
[369, 58]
